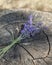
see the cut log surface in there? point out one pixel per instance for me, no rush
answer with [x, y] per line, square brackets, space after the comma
[10, 25]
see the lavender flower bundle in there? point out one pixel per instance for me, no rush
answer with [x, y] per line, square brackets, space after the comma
[28, 31]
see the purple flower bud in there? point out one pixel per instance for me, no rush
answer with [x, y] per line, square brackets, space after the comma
[30, 19]
[29, 29]
[39, 24]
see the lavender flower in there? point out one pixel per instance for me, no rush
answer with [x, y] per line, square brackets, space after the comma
[29, 29]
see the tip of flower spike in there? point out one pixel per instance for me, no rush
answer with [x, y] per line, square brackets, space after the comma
[39, 24]
[30, 19]
[45, 28]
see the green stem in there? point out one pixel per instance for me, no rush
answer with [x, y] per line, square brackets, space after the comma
[14, 42]
[4, 50]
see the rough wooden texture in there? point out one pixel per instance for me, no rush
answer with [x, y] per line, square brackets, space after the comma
[38, 48]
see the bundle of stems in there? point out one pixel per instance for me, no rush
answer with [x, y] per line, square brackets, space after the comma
[5, 49]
